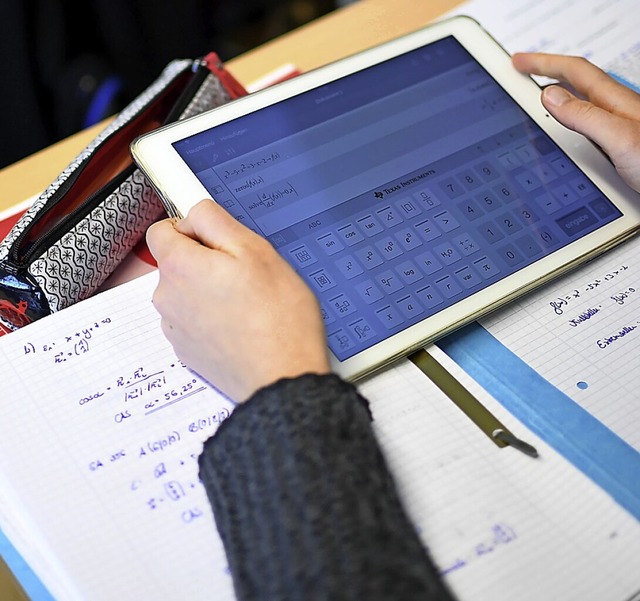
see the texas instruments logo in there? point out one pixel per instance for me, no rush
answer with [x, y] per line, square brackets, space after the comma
[378, 194]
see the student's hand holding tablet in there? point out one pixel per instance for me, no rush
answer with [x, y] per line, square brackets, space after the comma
[232, 308]
[608, 112]
[414, 187]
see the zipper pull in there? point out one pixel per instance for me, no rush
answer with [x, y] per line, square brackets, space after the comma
[216, 66]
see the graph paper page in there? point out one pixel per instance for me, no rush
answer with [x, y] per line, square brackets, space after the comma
[582, 333]
[100, 434]
[499, 524]
[102, 426]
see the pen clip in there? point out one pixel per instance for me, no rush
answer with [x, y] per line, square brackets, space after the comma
[508, 438]
[470, 406]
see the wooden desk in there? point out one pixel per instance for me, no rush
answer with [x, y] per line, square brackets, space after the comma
[338, 34]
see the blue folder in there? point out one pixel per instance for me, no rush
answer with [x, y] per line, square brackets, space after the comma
[586, 442]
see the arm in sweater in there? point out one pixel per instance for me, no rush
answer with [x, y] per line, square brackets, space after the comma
[305, 504]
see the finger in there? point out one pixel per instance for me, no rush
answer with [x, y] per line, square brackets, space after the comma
[170, 248]
[611, 132]
[211, 225]
[585, 77]
[160, 236]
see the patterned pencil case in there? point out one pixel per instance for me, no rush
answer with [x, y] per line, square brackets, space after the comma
[82, 226]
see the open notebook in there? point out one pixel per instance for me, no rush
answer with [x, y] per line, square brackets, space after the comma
[99, 492]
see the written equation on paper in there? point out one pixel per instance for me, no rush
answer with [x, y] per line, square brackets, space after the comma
[135, 389]
[152, 465]
[157, 389]
[591, 289]
[142, 391]
[600, 300]
[159, 472]
[498, 536]
[72, 344]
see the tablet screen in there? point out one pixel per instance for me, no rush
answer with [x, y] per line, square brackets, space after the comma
[399, 190]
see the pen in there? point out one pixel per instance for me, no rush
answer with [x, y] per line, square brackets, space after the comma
[472, 407]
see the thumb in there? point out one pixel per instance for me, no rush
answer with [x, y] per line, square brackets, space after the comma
[607, 130]
[208, 223]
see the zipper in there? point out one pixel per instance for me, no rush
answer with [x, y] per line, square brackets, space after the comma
[201, 69]
[232, 85]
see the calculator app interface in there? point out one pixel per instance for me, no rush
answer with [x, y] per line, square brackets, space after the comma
[399, 190]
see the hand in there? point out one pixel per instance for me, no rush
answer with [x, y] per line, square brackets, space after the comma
[609, 113]
[232, 308]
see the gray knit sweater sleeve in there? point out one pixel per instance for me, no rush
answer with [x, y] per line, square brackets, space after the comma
[305, 504]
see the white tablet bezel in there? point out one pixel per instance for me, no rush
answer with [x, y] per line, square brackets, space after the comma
[180, 189]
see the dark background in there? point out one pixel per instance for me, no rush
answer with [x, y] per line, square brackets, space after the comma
[65, 64]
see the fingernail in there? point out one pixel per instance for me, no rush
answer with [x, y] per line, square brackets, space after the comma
[556, 95]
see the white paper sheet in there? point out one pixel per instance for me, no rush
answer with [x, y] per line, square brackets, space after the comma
[99, 437]
[604, 31]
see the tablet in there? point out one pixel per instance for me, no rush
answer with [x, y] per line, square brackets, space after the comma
[414, 186]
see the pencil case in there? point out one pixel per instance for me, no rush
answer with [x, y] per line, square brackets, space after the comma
[87, 220]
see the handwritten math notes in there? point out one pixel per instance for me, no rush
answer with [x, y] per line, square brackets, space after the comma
[102, 427]
[582, 333]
